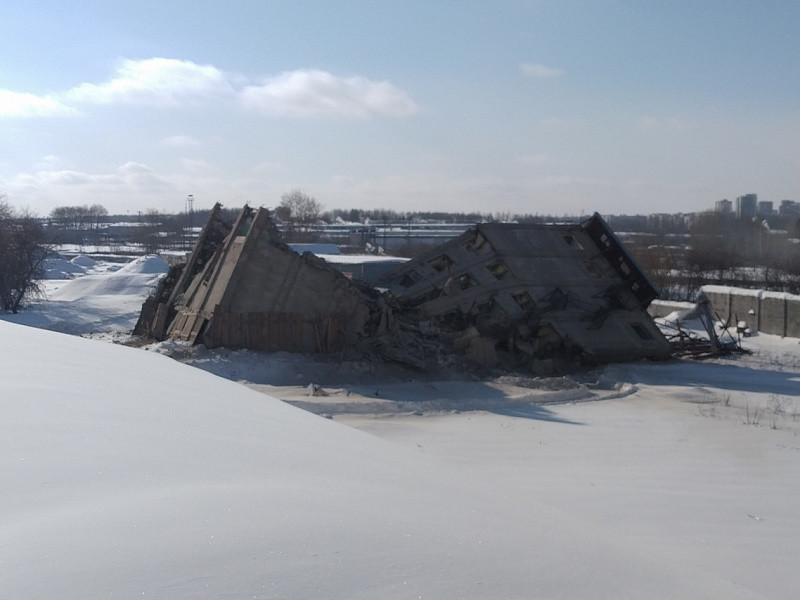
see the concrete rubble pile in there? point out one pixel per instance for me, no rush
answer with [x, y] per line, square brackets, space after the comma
[544, 298]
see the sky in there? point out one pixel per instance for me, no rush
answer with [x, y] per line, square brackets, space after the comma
[563, 107]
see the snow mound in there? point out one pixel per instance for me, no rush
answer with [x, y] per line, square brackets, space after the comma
[58, 267]
[117, 283]
[107, 300]
[150, 264]
[84, 261]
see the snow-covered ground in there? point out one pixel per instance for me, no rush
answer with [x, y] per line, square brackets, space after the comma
[97, 297]
[128, 474]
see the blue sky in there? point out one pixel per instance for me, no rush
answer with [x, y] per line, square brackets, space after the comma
[522, 106]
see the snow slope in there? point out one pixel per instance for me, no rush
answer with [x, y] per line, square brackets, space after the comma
[106, 299]
[129, 475]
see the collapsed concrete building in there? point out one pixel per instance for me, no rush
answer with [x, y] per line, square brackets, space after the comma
[539, 297]
[249, 290]
[563, 292]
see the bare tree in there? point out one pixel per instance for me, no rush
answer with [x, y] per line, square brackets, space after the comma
[298, 210]
[22, 254]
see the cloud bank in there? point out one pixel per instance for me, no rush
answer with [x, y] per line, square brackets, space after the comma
[20, 104]
[157, 81]
[308, 93]
[166, 82]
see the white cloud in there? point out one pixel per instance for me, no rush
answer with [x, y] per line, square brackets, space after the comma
[16, 104]
[48, 179]
[180, 141]
[158, 81]
[141, 177]
[311, 93]
[539, 71]
[51, 163]
[171, 82]
[130, 187]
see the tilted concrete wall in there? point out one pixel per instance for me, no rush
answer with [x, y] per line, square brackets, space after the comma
[769, 312]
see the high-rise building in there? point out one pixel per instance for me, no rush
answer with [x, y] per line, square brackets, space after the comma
[789, 208]
[723, 206]
[765, 209]
[746, 206]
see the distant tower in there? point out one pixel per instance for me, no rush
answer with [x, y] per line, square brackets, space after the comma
[723, 206]
[746, 206]
[189, 219]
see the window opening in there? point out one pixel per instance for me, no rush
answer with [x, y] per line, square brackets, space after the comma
[477, 242]
[409, 279]
[593, 269]
[524, 300]
[441, 263]
[498, 269]
[465, 282]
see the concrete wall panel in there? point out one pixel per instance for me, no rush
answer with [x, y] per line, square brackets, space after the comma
[793, 317]
[720, 303]
[773, 315]
[744, 307]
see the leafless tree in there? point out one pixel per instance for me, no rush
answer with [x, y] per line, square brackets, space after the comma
[299, 211]
[22, 253]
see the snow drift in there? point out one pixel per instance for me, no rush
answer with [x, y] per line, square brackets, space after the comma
[127, 475]
[106, 300]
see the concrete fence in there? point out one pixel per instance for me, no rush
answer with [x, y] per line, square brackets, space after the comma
[768, 312]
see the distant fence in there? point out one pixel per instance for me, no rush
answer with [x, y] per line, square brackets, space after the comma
[768, 312]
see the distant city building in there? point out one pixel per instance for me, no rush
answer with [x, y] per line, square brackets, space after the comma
[789, 208]
[723, 207]
[765, 209]
[746, 206]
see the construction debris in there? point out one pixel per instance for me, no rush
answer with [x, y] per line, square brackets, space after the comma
[687, 342]
[545, 298]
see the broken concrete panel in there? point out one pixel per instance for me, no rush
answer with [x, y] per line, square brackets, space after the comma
[211, 236]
